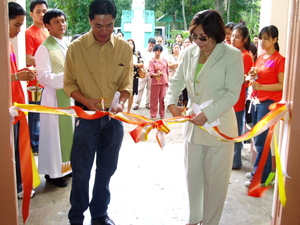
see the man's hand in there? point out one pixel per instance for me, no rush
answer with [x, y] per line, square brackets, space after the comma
[91, 103]
[118, 108]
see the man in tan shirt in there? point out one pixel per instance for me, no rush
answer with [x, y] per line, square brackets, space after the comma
[97, 65]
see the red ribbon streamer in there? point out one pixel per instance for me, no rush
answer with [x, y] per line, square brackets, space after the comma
[255, 189]
[25, 163]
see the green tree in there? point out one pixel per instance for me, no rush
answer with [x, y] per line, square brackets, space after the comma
[248, 11]
[77, 14]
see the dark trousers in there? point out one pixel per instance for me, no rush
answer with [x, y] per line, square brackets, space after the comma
[102, 137]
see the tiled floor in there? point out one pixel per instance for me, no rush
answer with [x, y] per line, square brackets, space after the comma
[149, 189]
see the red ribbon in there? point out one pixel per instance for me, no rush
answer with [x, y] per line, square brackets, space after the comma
[255, 189]
[25, 163]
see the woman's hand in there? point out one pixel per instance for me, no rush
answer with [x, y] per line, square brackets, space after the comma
[200, 119]
[255, 85]
[253, 74]
[176, 110]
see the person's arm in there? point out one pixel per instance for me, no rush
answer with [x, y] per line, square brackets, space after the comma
[233, 80]
[90, 103]
[30, 60]
[270, 87]
[30, 43]
[152, 70]
[44, 68]
[25, 75]
[176, 85]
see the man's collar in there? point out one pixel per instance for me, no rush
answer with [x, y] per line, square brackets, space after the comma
[91, 39]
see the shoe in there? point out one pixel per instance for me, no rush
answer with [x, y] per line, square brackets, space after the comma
[35, 154]
[135, 108]
[69, 175]
[162, 118]
[200, 223]
[76, 223]
[104, 220]
[248, 183]
[153, 118]
[20, 194]
[147, 107]
[250, 175]
[236, 167]
[59, 182]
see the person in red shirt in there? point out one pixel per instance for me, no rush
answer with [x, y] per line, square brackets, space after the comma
[34, 36]
[240, 39]
[16, 19]
[267, 89]
[36, 33]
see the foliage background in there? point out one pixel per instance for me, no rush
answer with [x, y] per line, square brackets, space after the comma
[245, 10]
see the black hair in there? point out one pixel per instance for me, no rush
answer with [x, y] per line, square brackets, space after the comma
[77, 36]
[102, 7]
[230, 25]
[133, 50]
[255, 36]
[272, 31]
[179, 35]
[174, 46]
[53, 13]
[15, 10]
[212, 24]
[120, 32]
[243, 30]
[157, 47]
[253, 49]
[33, 3]
[152, 41]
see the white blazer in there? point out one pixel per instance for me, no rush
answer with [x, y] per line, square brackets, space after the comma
[219, 80]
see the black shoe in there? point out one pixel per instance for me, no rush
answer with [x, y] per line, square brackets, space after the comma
[76, 223]
[69, 175]
[104, 220]
[59, 182]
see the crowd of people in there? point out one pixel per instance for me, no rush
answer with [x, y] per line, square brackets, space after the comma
[216, 68]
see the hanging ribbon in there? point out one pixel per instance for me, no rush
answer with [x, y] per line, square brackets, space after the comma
[145, 125]
[25, 163]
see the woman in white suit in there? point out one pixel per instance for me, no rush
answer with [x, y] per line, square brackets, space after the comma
[213, 74]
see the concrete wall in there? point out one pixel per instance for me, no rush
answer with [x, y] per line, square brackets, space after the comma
[8, 196]
[276, 12]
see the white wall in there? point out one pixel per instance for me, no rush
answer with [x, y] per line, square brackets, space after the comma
[276, 12]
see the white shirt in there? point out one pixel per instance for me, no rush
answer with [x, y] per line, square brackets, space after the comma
[165, 53]
[44, 67]
[147, 56]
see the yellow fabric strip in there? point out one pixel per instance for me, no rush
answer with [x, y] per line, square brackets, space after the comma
[281, 187]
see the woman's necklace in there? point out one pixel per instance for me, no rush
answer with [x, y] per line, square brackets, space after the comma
[205, 57]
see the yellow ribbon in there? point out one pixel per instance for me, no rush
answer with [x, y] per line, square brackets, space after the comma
[281, 187]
